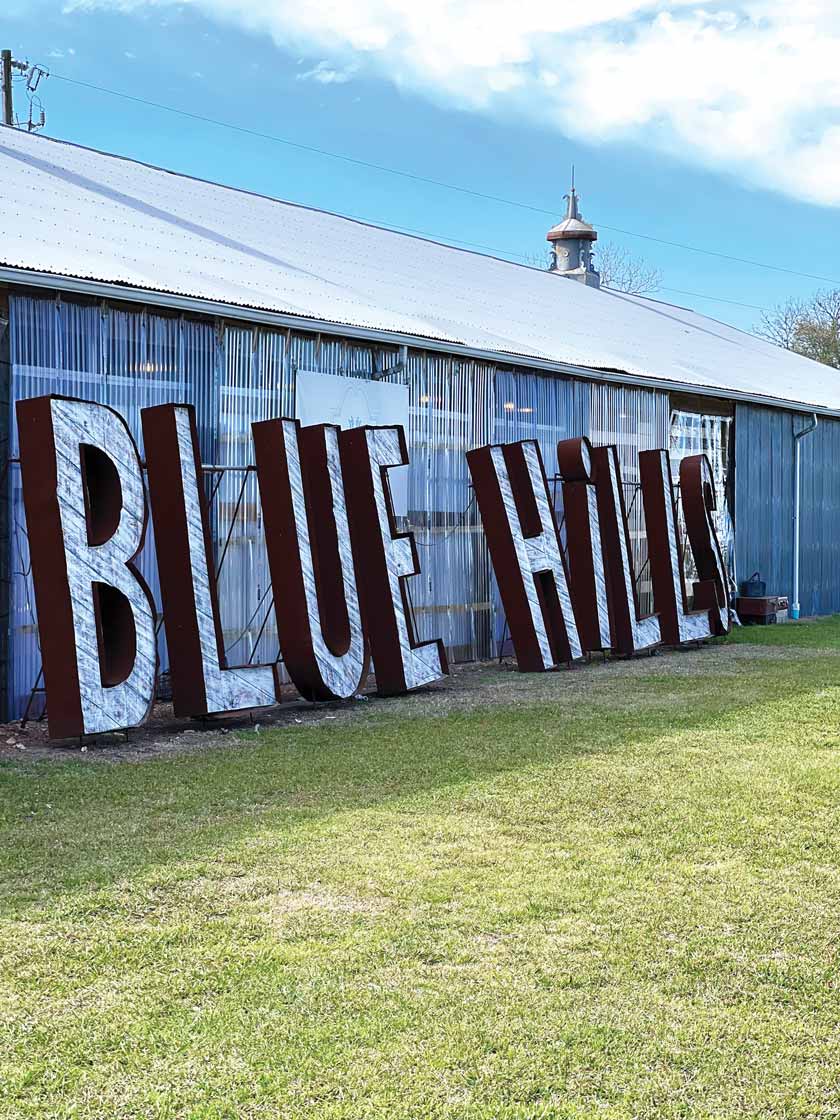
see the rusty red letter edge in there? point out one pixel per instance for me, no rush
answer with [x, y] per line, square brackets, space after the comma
[67, 568]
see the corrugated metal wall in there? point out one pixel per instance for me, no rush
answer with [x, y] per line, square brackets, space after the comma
[764, 505]
[235, 373]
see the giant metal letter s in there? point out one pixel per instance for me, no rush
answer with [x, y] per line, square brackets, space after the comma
[384, 559]
[202, 682]
[307, 536]
[666, 562]
[512, 494]
[86, 520]
[697, 490]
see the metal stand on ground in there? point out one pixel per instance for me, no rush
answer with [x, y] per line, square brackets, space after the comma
[36, 688]
[502, 643]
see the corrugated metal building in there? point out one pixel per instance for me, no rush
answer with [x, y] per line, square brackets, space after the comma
[132, 286]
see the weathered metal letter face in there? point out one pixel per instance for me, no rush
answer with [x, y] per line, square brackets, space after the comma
[666, 563]
[384, 558]
[630, 631]
[587, 575]
[512, 494]
[307, 536]
[86, 519]
[202, 683]
[697, 490]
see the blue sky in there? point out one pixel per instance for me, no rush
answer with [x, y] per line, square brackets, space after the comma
[715, 126]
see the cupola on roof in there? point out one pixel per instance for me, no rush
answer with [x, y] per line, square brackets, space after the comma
[573, 225]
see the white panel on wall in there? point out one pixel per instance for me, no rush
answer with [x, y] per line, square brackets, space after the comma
[352, 402]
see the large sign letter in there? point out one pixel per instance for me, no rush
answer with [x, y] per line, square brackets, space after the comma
[665, 555]
[86, 520]
[697, 490]
[512, 494]
[307, 536]
[587, 576]
[384, 559]
[630, 631]
[202, 683]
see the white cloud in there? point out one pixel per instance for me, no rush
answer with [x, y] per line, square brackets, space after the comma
[747, 86]
[327, 75]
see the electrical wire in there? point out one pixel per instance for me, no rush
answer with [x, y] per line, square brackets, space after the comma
[522, 258]
[717, 299]
[430, 181]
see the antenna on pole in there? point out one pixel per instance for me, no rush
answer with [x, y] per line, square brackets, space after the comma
[32, 74]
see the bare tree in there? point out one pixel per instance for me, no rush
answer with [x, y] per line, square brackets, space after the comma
[618, 268]
[624, 272]
[807, 326]
[541, 260]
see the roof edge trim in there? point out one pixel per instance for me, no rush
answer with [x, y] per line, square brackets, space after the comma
[127, 293]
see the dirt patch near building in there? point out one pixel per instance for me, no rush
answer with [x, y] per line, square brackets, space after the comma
[468, 687]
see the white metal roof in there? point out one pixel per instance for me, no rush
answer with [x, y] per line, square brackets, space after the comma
[72, 212]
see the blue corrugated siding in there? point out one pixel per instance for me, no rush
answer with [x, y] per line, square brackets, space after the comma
[764, 505]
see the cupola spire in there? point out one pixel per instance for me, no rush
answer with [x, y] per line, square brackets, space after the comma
[571, 243]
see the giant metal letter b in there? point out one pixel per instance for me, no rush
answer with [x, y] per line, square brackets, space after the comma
[86, 520]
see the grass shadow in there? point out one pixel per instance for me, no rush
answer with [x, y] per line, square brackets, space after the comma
[72, 827]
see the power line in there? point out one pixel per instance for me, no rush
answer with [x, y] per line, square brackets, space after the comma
[717, 299]
[444, 238]
[305, 147]
[722, 256]
[523, 259]
[495, 249]
[404, 229]
[432, 182]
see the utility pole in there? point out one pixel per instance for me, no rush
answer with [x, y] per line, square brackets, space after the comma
[8, 106]
[32, 75]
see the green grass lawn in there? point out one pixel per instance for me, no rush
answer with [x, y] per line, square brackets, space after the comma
[817, 633]
[613, 892]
